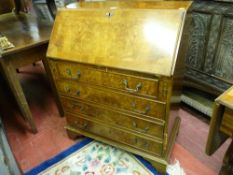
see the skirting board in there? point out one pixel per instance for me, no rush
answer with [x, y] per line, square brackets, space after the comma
[204, 107]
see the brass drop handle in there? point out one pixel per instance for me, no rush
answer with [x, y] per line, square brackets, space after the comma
[147, 109]
[146, 145]
[139, 129]
[80, 106]
[126, 86]
[69, 72]
[78, 74]
[67, 89]
[81, 126]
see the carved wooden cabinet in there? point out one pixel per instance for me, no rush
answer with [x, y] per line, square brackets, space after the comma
[117, 74]
[209, 61]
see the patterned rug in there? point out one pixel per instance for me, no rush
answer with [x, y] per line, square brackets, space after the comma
[94, 158]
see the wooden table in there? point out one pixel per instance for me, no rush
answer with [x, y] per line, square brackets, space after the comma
[30, 38]
[221, 128]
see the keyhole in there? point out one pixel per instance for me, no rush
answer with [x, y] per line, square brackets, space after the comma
[109, 14]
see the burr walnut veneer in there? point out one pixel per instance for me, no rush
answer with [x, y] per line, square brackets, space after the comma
[117, 74]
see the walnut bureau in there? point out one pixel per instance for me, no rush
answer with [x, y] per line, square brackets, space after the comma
[117, 74]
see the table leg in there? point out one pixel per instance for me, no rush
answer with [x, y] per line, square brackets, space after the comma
[10, 75]
[227, 167]
[215, 137]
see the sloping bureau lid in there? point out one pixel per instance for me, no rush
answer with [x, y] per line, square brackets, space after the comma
[132, 39]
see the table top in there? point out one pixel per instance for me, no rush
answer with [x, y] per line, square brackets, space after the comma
[226, 98]
[24, 31]
[131, 39]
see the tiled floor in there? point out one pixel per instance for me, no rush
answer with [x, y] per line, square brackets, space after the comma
[30, 150]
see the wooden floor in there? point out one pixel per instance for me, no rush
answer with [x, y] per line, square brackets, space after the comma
[30, 150]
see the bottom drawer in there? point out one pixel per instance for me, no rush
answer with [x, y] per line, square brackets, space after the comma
[80, 123]
[135, 122]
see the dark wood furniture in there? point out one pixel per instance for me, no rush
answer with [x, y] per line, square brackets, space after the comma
[16, 6]
[118, 83]
[52, 7]
[209, 60]
[221, 128]
[6, 6]
[30, 38]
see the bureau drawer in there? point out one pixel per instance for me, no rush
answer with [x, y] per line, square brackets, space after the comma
[135, 123]
[113, 99]
[81, 123]
[100, 77]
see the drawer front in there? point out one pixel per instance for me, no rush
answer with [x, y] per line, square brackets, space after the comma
[113, 99]
[227, 122]
[121, 136]
[88, 74]
[107, 116]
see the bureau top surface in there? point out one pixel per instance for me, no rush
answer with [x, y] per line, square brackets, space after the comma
[226, 98]
[142, 40]
[132, 4]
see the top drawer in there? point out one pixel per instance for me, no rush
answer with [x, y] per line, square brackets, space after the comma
[104, 77]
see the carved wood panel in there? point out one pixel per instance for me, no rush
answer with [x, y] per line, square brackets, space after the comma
[212, 44]
[198, 39]
[209, 61]
[223, 67]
